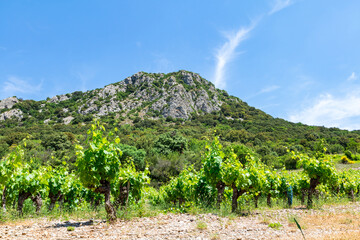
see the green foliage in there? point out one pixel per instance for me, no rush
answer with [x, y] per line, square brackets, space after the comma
[162, 167]
[250, 138]
[345, 160]
[11, 162]
[130, 88]
[181, 188]
[14, 138]
[99, 165]
[77, 95]
[272, 183]
[170, 142]
[3, 149]
[275, 225]
[72, 191]
[56, 141]
[100, 161]
[348, 182]
[27, 106]
[242, 152]
[213, 161]
[234, 172]
[255, 178]
[204, 193]
[291, 162]
[136, 180]
[136, 155]
[348, 154]
[236, 124]
[27, 180]
[321, 169]
[57, 180]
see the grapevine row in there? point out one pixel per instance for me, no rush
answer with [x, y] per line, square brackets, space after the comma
[224, 178]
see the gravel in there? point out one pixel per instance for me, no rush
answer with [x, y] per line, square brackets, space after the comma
[186, 226]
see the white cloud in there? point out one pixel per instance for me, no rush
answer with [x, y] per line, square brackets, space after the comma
[279, 5]
[341, 111]
[227, 52]
[352, 77]
[15, 85]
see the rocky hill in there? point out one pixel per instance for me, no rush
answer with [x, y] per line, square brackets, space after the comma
[149, 108]
[144, 95]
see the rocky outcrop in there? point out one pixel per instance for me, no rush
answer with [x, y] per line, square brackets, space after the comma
[8, 102]
[12, 114]
[58, 98]
[175, 95]
[68, 119]
[147, 95]
[109, 90]
[113, 106]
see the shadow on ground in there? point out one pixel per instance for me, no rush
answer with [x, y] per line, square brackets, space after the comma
[74, 224]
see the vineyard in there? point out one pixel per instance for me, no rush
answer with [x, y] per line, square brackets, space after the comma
[225, 180]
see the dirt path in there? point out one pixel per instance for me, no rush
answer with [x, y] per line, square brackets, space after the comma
[333, 222]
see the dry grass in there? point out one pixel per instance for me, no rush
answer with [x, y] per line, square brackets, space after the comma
[353, 235]
[333, 225]
[329, 222]
[340, 221]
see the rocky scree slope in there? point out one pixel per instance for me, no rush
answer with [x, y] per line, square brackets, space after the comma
[145, 95]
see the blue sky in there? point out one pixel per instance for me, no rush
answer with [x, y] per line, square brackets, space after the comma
[294, 59]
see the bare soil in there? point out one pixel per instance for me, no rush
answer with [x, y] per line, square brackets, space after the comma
[330, 222]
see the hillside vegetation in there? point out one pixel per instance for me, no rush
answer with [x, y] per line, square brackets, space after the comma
[153, 110]
[169, 140]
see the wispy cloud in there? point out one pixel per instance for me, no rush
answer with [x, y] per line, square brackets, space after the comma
[162, 63]
[269, 89]
[15, 85]
[278, 5]
[352, 77]
[267, 106]
[340, 109]
[227, 52]
[138, 44]
[84, 79]
[85, 73]
[264, 90]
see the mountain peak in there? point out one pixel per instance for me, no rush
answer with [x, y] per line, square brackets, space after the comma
[145, 95]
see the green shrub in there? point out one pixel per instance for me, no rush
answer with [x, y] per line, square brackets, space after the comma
[348, 154]
[275, 225]
[70, 228]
